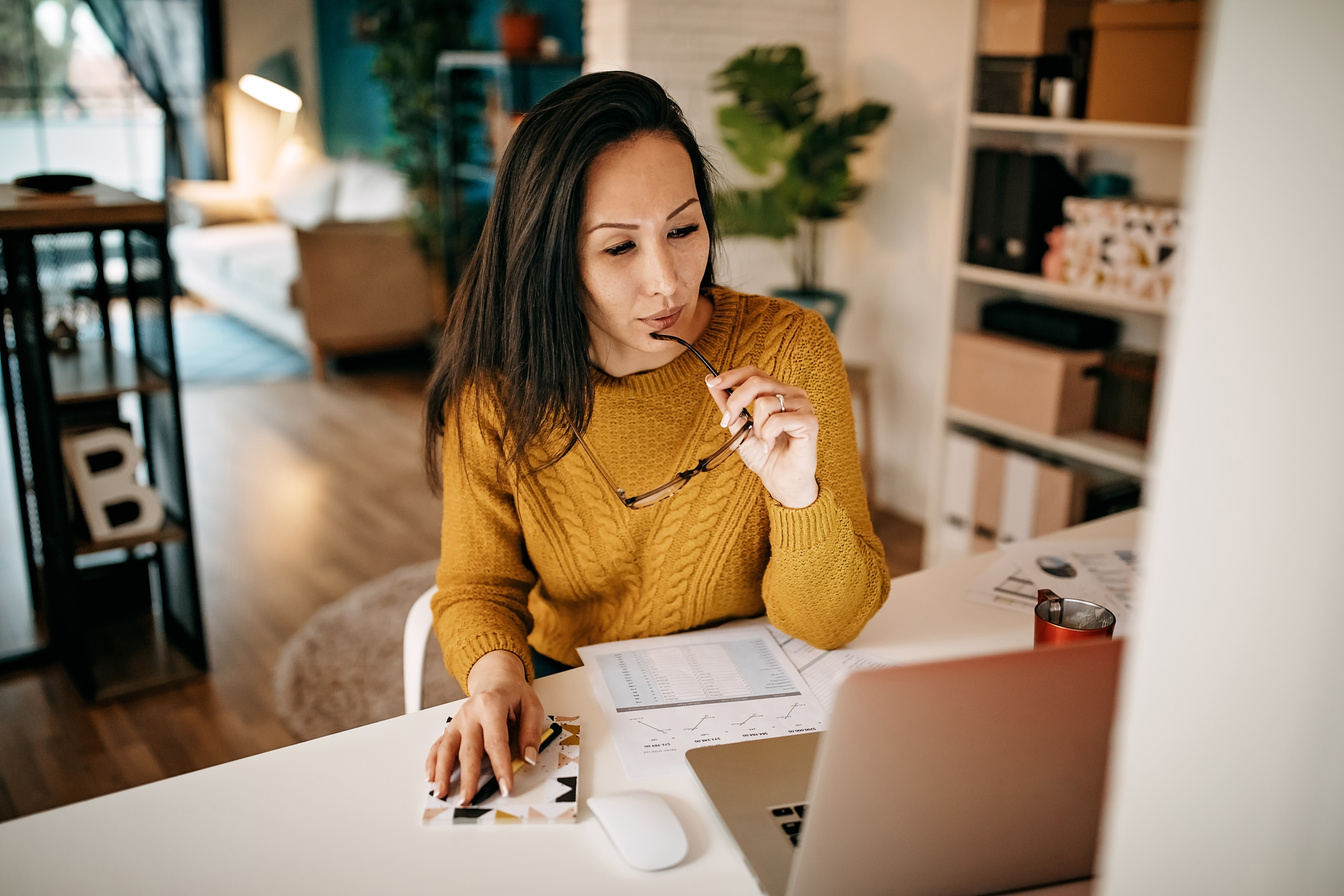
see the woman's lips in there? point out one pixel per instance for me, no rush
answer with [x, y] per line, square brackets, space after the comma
[664, 320]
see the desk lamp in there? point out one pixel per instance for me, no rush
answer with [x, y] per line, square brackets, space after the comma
[275, 82]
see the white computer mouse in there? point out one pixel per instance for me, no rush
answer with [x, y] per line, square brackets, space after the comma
[642, 827]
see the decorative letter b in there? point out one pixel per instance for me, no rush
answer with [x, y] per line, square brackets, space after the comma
[102, 465]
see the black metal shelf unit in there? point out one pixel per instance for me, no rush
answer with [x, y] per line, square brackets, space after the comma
[481, 96]
[122, 615]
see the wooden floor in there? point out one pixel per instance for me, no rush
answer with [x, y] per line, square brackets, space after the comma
[301, 491]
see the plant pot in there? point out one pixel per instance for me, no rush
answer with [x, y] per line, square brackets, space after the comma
[519, 33]
[830, 305]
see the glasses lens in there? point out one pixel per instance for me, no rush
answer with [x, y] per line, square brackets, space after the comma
[718, 457]
[658, 494]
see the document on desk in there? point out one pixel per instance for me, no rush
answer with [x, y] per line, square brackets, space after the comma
[1100, 570]
[663, 696]
[823, 670]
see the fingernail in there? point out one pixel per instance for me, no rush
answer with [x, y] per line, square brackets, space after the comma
[726, 419]
[530, 755]
[503, 788]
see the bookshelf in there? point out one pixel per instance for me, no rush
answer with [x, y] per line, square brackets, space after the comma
[1154, 156]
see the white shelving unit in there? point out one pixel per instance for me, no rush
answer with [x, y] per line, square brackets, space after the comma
[1154, 157]
[1035, 124]
[1060, 293]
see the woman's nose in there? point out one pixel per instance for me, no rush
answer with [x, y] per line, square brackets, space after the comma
[660, 277]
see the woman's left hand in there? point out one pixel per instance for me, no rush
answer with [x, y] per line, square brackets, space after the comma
[782, 447]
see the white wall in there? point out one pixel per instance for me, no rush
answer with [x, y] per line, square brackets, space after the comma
[895, 256]
[1228, 774]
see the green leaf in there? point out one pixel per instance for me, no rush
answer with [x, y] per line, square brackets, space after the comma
[775, 121]
[771, 212]
[860, 122]
[758, 144]
[773, 83]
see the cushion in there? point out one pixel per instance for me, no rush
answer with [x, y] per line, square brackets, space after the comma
[368, 191]
[202, 203]
[303, 185]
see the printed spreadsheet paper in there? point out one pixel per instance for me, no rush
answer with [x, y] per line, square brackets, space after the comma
[545, 793]
[823, 670]
[1103, 571]
[663, 696]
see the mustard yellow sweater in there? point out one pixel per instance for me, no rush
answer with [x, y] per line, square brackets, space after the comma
[556, 559]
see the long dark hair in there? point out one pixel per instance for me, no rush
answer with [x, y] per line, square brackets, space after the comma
[516, 326]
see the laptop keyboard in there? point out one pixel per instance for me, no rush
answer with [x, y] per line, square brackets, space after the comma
[790, 819]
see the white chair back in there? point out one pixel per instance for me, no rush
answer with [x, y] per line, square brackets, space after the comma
[419, 622]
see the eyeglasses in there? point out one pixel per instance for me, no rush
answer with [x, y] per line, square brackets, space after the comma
[679, 481]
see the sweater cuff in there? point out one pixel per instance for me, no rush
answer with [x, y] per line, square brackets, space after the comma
[793, 529]
[468, 652]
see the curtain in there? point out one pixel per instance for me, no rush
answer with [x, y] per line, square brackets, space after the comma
[163, 43]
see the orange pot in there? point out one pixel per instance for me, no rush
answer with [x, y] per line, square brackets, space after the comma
[519, 33]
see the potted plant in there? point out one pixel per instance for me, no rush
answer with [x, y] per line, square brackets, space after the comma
[519, 29]
[774, 130]
[409, 35]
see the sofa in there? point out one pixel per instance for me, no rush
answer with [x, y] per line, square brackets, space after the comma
[318, 257]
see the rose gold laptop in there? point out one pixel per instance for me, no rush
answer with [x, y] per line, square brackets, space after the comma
[957, 778]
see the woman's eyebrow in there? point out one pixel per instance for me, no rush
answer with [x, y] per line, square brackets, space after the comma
[678, 210]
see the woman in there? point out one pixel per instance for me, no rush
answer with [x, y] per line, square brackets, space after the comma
[572, 370]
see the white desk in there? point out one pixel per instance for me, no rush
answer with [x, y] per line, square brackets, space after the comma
[341, 814]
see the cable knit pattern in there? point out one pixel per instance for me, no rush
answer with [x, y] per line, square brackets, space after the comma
[554, 558]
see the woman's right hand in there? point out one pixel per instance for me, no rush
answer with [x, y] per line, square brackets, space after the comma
[501, 719]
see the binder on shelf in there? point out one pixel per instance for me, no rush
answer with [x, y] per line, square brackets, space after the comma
[986, 177]
[1021, 498]
[1016, 199]
[988, 496]
[1034, 188]
[958, 505]
[1061, 493]
[995, 495]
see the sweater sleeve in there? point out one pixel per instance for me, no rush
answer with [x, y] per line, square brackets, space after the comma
[484, 576]
[827, 574]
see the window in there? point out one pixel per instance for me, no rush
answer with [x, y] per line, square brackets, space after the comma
[68, 102]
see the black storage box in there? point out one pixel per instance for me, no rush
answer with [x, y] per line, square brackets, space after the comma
[1053, 326]
[1013, 85]
[1111, 497]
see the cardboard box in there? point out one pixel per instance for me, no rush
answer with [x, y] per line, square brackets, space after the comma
[1029, 27]
[1144, 57]
[1039, 387]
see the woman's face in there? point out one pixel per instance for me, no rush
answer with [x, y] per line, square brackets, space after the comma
[643, 247]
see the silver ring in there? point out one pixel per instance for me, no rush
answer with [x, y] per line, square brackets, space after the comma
[781, 402]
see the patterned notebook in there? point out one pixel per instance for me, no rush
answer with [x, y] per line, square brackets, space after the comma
[546, 793]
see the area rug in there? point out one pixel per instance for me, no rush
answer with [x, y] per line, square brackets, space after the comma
[343, 668]
[214, 348]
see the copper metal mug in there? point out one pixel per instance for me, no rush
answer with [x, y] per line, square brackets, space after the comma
[1061, 620]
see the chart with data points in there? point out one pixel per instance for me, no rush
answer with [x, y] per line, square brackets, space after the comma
[664, 696]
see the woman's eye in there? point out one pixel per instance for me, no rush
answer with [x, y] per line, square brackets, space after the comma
[620, 249]
[686, 231]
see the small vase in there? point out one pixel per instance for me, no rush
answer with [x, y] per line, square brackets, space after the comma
[830, 305]
[519, 33]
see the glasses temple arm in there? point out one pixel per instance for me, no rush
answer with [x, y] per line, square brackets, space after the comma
[578, 439]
